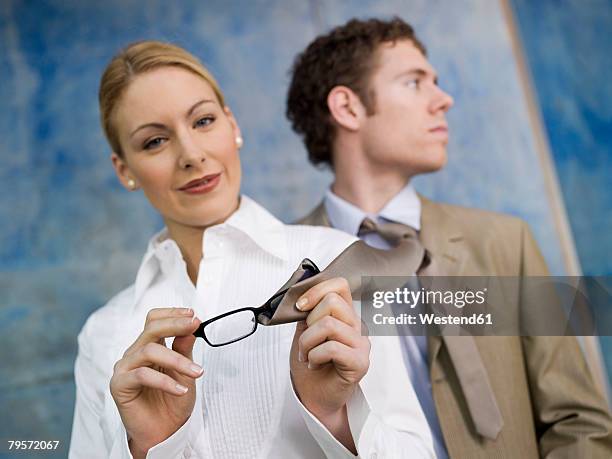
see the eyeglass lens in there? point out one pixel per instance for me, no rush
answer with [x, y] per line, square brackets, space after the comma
[231, 328]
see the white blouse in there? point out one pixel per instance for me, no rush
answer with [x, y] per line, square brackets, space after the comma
[245, 404]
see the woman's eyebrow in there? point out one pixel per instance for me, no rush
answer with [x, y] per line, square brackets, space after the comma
[161, 126]
[143, 126]
[197, 104]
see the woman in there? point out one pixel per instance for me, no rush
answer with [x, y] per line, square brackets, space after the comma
[139, 369]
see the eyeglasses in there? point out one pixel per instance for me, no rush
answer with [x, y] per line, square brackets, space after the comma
[238, 324]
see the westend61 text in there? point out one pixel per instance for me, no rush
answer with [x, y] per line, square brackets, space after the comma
[432, 319]
[458, 298]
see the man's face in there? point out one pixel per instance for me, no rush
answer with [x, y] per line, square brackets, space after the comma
[407, 130]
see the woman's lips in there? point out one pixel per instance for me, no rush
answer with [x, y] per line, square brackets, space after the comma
[202, 185]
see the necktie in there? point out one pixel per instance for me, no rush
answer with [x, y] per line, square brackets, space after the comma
[463, 351]
[396, 234]
[392, 232]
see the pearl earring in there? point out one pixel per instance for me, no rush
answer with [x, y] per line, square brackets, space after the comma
[131, 184]
[239, 141]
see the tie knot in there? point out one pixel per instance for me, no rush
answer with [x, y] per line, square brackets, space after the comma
[392, 232]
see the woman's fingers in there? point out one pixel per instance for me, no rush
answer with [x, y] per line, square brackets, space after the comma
[133, 380]
[334, 305]
[157, 329]
[349, 362]
[184, 345]
[327, 329]
[162, 313]
[133, 370]
[315, 294]
[169, 327]
[333, 330]
[153, 354]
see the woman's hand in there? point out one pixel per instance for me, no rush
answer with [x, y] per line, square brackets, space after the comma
[153, 386]
[329, 355]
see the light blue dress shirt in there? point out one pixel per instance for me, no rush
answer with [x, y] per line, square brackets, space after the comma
[404, 208]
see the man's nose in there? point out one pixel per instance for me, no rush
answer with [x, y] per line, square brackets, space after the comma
[441, 101]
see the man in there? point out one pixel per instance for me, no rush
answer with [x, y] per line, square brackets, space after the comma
[366, 102]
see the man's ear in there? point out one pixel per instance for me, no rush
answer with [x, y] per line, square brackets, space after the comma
[345, 107]
[122, 170]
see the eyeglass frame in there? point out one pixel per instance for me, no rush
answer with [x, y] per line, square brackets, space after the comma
[310, 269]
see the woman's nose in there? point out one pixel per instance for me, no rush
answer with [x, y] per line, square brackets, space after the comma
[190, 153]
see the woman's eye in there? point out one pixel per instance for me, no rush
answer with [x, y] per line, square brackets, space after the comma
[204, 121]
[153, 143]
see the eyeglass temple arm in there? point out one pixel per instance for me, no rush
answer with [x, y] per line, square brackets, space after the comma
[199, 333]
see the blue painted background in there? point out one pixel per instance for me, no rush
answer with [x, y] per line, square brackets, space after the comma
[71, 237]
[567, 46]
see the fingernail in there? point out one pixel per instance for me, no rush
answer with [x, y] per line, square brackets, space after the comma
[310, 366]
[181, 389]
[301, 303]
[196, 369]
[300, 356]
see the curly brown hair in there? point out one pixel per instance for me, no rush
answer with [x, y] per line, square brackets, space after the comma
[345, 56]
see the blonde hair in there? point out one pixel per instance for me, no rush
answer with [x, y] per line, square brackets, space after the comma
[133, 60]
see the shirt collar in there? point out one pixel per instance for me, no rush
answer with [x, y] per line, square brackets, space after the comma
[404, 207]
[260, 226]
[342, 214]
[250, 219]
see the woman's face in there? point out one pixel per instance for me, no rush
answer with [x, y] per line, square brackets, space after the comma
[179, 146]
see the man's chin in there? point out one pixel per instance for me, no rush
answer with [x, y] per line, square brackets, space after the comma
[435, 161]
[430, 165]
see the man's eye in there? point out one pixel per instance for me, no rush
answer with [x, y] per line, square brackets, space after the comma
[153, 143]
[414, 83]
[204, 121]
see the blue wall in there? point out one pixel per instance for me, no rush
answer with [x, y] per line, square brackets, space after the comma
[71, 237]
[567, 46]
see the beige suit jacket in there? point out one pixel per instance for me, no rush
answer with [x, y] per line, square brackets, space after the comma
[547, 397]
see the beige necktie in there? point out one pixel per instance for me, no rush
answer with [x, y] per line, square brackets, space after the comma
[463, 351]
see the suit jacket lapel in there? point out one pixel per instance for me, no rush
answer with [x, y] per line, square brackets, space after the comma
[442, 237]
[318, 217]
[444, 241]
